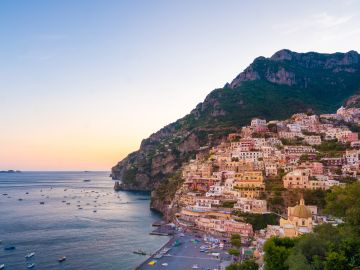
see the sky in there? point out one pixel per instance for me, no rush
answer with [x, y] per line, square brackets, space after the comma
[82, 82]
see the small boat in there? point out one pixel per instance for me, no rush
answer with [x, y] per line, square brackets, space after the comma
[20, 199]
[42, 202]
[2, 266]
[32, 254]
[86, 180]
[195, 266]
[31, 265]
[61, 259]
[9, 247]
[164, 264]
[139, 252]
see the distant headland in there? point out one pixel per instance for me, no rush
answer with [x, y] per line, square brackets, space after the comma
[10, 171]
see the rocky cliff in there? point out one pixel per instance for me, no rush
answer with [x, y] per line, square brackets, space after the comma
[273, 88]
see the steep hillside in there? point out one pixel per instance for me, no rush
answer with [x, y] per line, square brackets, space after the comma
[274, 88]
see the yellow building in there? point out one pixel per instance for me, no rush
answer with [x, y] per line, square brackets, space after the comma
[299, 220]
[250, 184]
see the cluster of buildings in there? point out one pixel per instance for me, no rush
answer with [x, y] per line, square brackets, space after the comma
[232, 175]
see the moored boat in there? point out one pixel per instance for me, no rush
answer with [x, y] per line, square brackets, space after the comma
[9, 247]
[32, 254]
[139, 252]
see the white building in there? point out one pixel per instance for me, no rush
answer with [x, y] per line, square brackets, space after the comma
[255, 122]
[352, 157]
[215, 191]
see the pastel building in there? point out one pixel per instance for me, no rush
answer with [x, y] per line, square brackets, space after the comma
[299, 220]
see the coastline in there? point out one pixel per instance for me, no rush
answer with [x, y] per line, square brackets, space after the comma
[171, 240]
[184, 251]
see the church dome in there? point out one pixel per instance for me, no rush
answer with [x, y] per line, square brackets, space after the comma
[301, 211]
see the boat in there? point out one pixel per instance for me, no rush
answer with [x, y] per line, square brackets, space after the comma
[42, 202]
[32, 254]
[139, 252]
[195, 266]
[31, 265]
[2, 266]
[86, 180]
[164, 264]
[61, 259]
[9, 247]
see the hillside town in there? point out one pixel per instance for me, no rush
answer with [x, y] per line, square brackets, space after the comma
[226, 183]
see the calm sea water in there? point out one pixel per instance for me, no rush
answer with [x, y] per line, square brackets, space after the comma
[104, 239]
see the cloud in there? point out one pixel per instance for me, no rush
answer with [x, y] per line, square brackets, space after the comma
[318, 21]
[325, 20]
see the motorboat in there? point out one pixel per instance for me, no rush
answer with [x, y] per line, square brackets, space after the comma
[9, 247]
[2, 266]
[139, 252]
[28, 256]
[31, 265]
[61, 259]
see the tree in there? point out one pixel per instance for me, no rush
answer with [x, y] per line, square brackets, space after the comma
[234, 251]
[277, 250]
[345, 203]
[297, 261]
[236, 243]
[235, 240]
[246, 265]
[336, 261]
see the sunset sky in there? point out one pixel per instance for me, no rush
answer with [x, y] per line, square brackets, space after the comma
[83, 82]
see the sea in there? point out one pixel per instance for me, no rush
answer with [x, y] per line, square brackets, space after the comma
[73, 214]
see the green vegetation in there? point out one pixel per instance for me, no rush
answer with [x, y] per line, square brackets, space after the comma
[304, 158]
[296, 141]
[277, 250]
[245, 265]
[168, 187]
[331, 148]
[228, 204]
[235, 240]
[258, 221]
[274, 184]
[328, 247]
[234, 251]
[130, 175]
